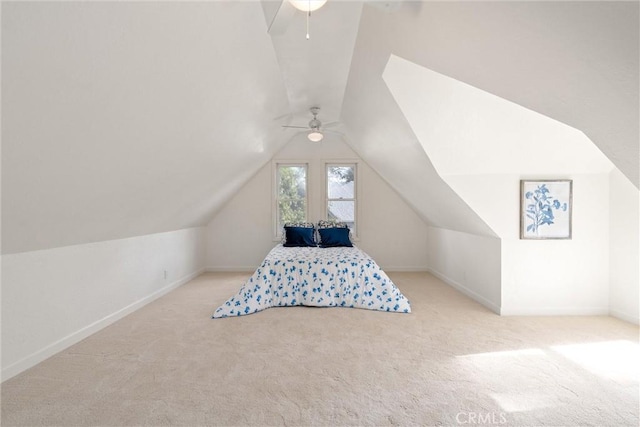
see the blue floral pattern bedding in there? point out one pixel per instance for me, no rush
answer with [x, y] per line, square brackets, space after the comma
[320, 277]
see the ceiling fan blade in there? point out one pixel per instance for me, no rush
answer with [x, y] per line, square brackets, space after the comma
[333, 132]
[295, 127]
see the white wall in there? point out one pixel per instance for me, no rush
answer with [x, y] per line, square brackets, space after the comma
[624, 259]
[558, 277]
[547, 277]
[457, 125]
[241, 234]
[54, 298]
[469, 263]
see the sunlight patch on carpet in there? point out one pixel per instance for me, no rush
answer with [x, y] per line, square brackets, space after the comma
[521, 402]
[614, 360]
[503, 354]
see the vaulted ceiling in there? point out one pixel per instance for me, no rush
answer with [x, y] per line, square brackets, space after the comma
[122, 119]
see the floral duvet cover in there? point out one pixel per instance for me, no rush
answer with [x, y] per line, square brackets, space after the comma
[319, 277]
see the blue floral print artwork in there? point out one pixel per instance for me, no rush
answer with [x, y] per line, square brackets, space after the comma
[541, 206]
[546, 209]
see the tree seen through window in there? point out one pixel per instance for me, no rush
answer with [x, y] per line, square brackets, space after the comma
[292, 194]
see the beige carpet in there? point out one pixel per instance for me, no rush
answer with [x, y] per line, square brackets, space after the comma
[450, 362]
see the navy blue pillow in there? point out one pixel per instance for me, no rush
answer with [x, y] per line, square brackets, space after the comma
[334, 237]
[299, 236]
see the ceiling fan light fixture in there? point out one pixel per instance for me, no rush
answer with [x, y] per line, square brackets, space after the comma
[307, 5]
[315, 136]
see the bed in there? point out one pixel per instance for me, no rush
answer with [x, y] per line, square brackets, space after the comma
[318, 277]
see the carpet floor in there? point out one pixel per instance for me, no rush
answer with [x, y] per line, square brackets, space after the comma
[450, 362]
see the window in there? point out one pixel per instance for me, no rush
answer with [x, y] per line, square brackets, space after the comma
[341, 194]
[291, 194]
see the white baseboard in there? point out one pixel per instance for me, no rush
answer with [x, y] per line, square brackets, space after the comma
[71, 339]
[554, 311]
[468, 292]
[624, 316]
[532, 311]
[243, 269]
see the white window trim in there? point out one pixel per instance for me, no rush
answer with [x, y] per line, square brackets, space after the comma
[277, 231]
[357, 190]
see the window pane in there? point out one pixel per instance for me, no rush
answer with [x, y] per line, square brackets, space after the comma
[343, 211]
[292, 182]
[291, 211]
[340, 182]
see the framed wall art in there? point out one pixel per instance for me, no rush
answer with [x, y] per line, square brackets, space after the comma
[545, 209]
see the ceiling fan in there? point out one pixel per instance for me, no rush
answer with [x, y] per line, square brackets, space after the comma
[315, 126]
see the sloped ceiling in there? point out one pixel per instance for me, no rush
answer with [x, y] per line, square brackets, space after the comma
[576, 62]
[124, 119]
[315, 70]
[379, 132]
[458, 124]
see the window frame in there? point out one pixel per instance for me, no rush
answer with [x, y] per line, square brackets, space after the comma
[356, 192]
[276, 165]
